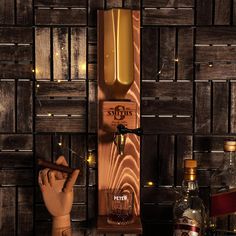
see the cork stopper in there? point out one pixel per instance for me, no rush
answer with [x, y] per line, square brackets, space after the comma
[189, 163]
[230, 146]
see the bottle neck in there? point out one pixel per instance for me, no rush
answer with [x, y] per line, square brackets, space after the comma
[229, 159]
[189, 184]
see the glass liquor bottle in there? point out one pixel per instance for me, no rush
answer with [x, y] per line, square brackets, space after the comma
[223, 194]
[189, 210]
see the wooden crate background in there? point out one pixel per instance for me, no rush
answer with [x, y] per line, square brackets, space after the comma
[48, 95]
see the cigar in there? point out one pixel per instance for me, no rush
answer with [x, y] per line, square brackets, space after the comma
[54, 166]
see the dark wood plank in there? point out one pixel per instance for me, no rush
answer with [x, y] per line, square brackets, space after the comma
[166, 159]
[16, 53]
[185, 53]
[150, 40]
[7, 12]
[179, 16]
[203, 108]
[25, 211]
[43, 147]
[204, 12]
[181, 90]
[42, 53]
[92, 177]
[8, 205]
[209, 160]
[78, 212]
[150, 159]
[78, 53]
[92, 71]
[93, 6]
[60, 3]
[24, 106]
[61, 106]
[153, 125]
[92, 53]
[23, 177]
[92, 202]
[79, 194]
[220, 108]
[216, 71]
[203, 177]
[113, 3]
[62, 89]
[43, 228]
[7, 106]
[167, 3]
[132, 4]
[184, 151]
[216, 35]
[92, 107]
[234, 12]
[61, 16]
[60, 124]
[41, 213]
[16, 159]
[222, 12]
[78, 158]
[167, 107]
[233, 108]
[92, 35]
[60, 54]
[16, 35]
[16, 142]
[61, 147]
[24, 12]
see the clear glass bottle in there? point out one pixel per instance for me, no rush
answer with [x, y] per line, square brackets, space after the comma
[189, 211]
[223, 194]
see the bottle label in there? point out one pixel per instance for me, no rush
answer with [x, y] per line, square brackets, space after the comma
[186, 227]
[223, 203]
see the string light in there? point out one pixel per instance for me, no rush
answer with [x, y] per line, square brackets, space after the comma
[150, 184]
[37, 85]
[176, 59]
[91, 159]
[59, 81]
[50, 114]
[210, 64]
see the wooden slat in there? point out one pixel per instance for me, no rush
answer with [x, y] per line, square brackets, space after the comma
[92, 53]
[41, 213]
[25, 211]
[209, 160]
[113, 3]
[78, 212]
[7, 106]
[43, 228]
[78, 159]
[216, 53]
[24, 106]
[61, 106]
[150, 42]
[16, 35]
[60, 54]
[92, 107]
[132, 4]
[60, 124]
[24, 12]
[153, 125]
[16, 141]
[16, 53]
[60, 3]
[7, 216]
[62, 89]
[234, 12]
[43, 147]
[61, 150]
[203, 108]
[16, 159]
[92, 35]
[92, 71]
[185, 53]
[220, 108]
[181, 90]
[233, 108]
[42, 53]
[204, 12]
[222, 12]
[179, 16]
[216, 35]
[92, 199]
[7, 12]
[92, 180]
[79, 194]
[150, 159]
[93, 6]
[17, 177]
[203, 178]
[167, 107]
[217, 71]
[167, 3]
[60, 16]
[78, 53]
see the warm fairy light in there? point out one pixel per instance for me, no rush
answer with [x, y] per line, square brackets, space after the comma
[91, 159]
[33, 70]
[60, 143]
[176, 59]
[83, 66]
[210, 64]
[37, 85]
[57, 54]
[150, 183]
[59, 81]
[49, 114]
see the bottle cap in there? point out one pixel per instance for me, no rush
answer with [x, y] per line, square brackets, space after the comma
[189, 163]
[230, 146]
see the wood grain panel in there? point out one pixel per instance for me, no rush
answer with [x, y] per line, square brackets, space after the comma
[79, 195]
[203, 108]
[150, 41]
[11, 70]
[154, 125]
[113, 3]
[24, 12]
[60, 150]
[92, 198]
[7, 12]
[24, 106]
[78, 212]
[204, 12]
[60, 3]
[92, 177]
[25, 211]
[92, 53]
[72, 16]
[7, 216]
[216, 35]
[132, 4]
[60, 54]
[222, 12]
[7, 106]
[167, 3]
[92, 71]
[60, 124]
[92, 107]
[149, 159]
[234, 12]
[16, 53]
[42, 53]
[43, 228]
[78, 53]
[62, 89]
[43, 147]
[233, 108]
[178, 16]
[16, 142]
[93, 6]
[220, 108]
[203, 178]
[16, 34]
[211, 160]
